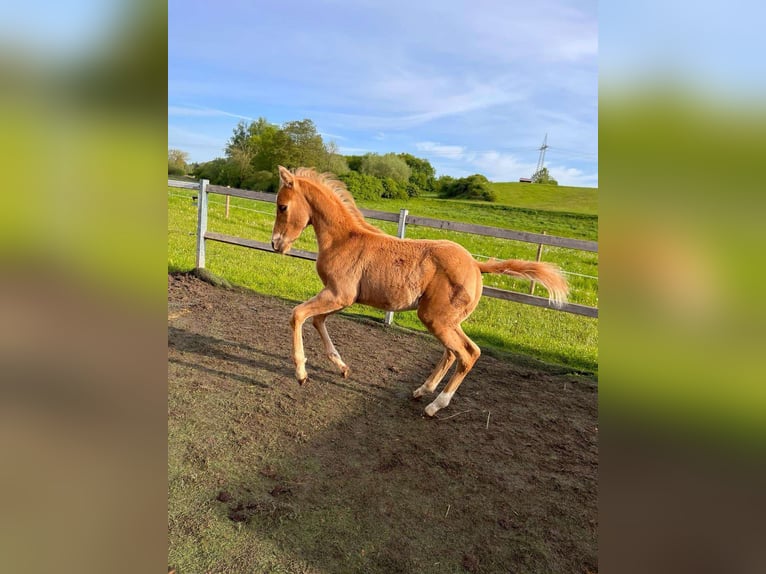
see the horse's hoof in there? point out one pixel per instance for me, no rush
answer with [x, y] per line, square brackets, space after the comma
[302, 381]
[345, 371]
[431, 410]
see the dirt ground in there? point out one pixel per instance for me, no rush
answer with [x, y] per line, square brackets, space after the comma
[348, 475]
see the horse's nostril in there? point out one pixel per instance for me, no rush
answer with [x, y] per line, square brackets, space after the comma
[274, 247]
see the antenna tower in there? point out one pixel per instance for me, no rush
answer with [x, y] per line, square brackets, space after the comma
[541, 160]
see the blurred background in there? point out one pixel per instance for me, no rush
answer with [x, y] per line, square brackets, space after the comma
[82, 291]
[682, 134]
[82, 287]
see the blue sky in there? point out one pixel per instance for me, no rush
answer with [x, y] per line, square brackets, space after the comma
[472, 86]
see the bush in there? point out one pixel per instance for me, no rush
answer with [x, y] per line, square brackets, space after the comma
[442, 185]
[176, 170]
[472, 187]
[542, 176]
[354, 162]
[362, 186]
[393, 189]
[261, 181]
[210, 170]
[413, 190]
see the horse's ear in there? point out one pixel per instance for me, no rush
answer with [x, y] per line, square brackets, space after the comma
[285, 177]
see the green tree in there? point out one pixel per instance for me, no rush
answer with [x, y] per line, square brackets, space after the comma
[253, 151]
[422, 175]
[305, 147]
[542, 176]
[388, 165]
[177, 162]
[240, 152]
[334, 162]
[354, 162]
[269, 145]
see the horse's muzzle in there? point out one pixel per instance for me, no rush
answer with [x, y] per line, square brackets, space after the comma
[279, 245]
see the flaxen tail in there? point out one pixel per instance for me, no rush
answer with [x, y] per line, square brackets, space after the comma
[546, 273]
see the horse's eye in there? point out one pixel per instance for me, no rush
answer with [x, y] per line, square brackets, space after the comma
[282, 208]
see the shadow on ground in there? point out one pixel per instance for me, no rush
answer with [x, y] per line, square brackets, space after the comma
[348, 475]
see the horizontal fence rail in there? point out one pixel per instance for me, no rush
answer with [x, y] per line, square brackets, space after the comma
[515, 296]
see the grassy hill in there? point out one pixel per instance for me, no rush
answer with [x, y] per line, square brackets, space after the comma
[548, 197]
[554, 209]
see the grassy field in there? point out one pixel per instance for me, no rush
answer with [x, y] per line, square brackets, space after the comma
[558, 198]
[523, 330]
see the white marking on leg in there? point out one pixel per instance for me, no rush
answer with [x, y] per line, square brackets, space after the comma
[422, 390]
[441, 401]
[337, 361]
[436, 376]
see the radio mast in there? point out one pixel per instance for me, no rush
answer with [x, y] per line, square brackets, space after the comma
[541, 160]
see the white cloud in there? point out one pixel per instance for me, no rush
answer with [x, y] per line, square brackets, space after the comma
[496, 77]
[429, 107]
[498, 165]
[186, 111]
[440, 150]
[331, 137]
[201, 146]
[573, 176]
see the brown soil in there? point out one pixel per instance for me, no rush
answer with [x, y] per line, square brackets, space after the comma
[348, 474]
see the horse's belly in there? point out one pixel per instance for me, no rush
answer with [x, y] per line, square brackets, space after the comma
[390, 303]
[389, 296]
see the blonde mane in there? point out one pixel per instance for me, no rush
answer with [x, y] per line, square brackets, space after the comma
[329, 181]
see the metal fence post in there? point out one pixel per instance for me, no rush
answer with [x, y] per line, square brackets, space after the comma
[400, 234]
[201, 222]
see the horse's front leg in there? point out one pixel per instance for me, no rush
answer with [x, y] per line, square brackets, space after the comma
[327, 301]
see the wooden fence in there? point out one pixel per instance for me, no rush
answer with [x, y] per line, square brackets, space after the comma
[403, 219]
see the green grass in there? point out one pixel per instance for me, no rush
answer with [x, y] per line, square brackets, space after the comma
[537, 220]
[556, 198]
[551, 336]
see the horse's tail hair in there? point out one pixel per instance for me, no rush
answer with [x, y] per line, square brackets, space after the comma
[546, 273]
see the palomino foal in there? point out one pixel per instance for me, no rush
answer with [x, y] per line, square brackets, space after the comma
[358, 263]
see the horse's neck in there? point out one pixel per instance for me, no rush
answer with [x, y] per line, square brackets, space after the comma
[331, 221]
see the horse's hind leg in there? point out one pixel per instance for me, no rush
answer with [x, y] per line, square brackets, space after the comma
[436, 376]
[332, 353]
[467, 353]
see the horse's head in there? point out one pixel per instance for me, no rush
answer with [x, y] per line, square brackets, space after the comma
[293, 213]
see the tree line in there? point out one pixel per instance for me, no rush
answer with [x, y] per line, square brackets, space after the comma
[256, 149]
